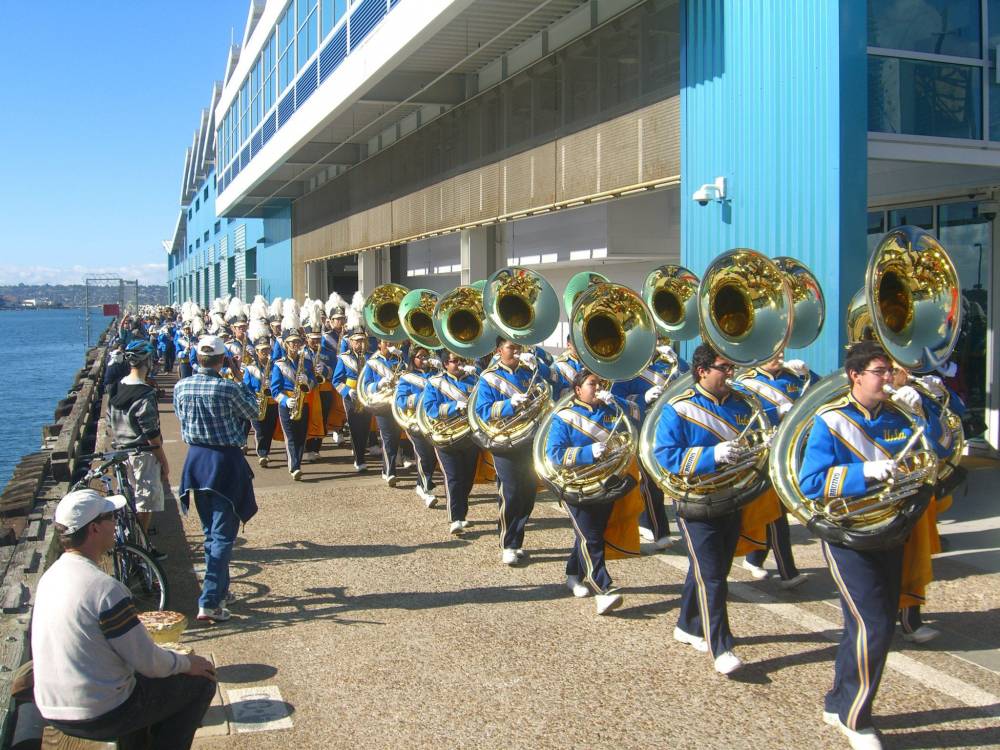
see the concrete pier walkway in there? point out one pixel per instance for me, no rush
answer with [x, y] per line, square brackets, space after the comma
[364, 624]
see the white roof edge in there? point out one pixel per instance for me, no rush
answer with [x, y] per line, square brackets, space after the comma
[254, 13]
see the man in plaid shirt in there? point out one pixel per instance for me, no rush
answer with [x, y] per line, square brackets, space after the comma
[213, 413]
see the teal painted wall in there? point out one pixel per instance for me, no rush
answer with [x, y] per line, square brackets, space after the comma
[773, 98]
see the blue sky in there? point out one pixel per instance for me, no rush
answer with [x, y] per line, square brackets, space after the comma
[102, 100]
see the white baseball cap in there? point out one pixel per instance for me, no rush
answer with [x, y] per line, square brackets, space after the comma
[79, 508]
[211, 346]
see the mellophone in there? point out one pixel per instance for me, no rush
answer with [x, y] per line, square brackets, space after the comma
[749, 308]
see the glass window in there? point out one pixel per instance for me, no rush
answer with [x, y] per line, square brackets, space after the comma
[920, 98]
[331, 11]
[619, 42]
[518, 99]
[968, 237]
[994, 107]
[942, 27]
[661, 46]
[580, 65]
[876, 228]
[918, 216]
[306, 37]
[286, 51]
[546, 92]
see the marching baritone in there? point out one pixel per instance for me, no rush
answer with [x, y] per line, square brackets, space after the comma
[345, 380]
[257, 379]
[501, 393]
[851, 446]
[696, 435]
[183, 345]
[291, 381]
[778, 384]
[383, 368]
[322, 363]
[409, 392]
[642, 392]
[578, 436]
[446, 397]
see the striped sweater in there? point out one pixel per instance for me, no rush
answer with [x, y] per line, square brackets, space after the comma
[88, 643]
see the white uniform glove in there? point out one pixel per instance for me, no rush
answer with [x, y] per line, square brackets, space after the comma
[528, 359]
[665, 350]
[517, 399]
[783, 409]
[394, 351]
[468, 369]
[909, 397]
[934, 384]
[352, 394]
[434, 362]
[598, 449]
[653, 393]
[605, 396]
[878, 471]
[798, 367]
[725, 453]
[461, 405]
[289, 403]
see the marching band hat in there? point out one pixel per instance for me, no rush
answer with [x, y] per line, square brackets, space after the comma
[264, 340]
[357, 332]
[291, 333]
[337, 311]
[211, 346]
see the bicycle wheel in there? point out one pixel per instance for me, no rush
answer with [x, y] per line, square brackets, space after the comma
[142, 575]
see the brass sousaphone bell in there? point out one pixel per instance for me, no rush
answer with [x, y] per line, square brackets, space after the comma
[460, 322]
[521, 305]
[416, 316]
[381, 312]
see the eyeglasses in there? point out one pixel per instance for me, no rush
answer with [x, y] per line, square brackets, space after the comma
[883, 372]
[723, 368]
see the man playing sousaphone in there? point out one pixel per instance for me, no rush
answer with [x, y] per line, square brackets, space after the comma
[501, 393]
[409, 392]
[578, 436]
[446, 397]
[697, 435]
[851, 447]
[345, 380]
[380, 374]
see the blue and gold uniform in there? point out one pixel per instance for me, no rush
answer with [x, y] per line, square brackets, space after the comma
[777, 394]
[283, 388]
[183, 345]
[345, 381]
[380, 369]
[441, 396]
[573, 432]
[409, 393]
[653, 522]
[563, 370]
[322, 365]
[252, 378]
[844, 436]
[691, 425]
[517, 483]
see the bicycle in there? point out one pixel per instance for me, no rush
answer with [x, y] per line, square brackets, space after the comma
[131, 561]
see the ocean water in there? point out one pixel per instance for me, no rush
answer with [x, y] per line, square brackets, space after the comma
[41, 351]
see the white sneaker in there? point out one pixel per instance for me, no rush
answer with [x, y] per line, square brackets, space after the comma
[607, 602]
[407, 463]
[792, 583]
[509, 557]
[858, 739]
[428, 497]
[262, 461]
[360, 467]
[465, 524]
[219, 614]
[390, 479]
[297, 475]
[757, 572]
[456, 528]
[665, 541]
[922, 634]
[699, 643]
[335, 439]
[574, 584]
[727, 662]
[521, 554]
[645, 534]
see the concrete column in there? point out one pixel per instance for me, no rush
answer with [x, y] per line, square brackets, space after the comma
[788, 134]
[481, 253]
[316, 280]
[373, 269]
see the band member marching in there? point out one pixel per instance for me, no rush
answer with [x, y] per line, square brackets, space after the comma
[778, 384]
[564, 370]
[291, 381]
[336, 320]
[183, 344]
[322, 363]
[850, 447]
[696, 435]
[383, 367]
[257, 379]
[345, 380]
[446, 397]
[642, 391]
[409, 392]
[501, 393]
[578, 436]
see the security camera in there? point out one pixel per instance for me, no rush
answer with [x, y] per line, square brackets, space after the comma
[989, 209]
[710, 191]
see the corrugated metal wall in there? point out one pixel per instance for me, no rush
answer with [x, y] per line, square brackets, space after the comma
[640, 149]
[773, 98]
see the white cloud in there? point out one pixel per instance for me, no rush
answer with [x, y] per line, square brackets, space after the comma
[145, 273]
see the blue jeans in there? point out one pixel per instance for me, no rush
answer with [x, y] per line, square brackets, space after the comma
[219, 523]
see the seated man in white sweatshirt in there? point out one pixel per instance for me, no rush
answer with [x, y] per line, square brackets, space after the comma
[98, 674]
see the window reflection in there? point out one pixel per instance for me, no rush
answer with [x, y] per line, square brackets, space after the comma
[942, 27]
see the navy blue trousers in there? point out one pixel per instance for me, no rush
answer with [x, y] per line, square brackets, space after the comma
[869, 584]
[388, 433]
[360, 425]
[265, 430]
[426, 461]
[185, 370]
[295, 434]
[586, 559]
[779, 541]
[517, 486]
[326, 403]
[654, 515]
[459, 467]
[710, 547]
